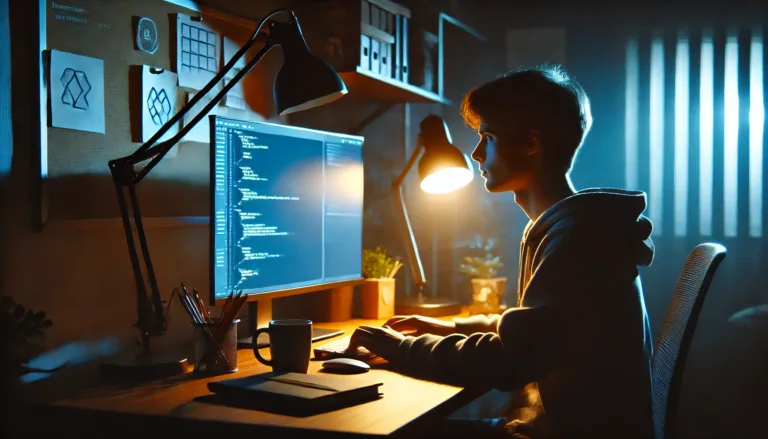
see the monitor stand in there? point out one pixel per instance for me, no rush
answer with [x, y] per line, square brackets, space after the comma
[259, 315]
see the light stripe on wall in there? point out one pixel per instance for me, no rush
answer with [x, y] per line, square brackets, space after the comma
[631, 112]
[682, 70]
[731, 138]
[656, 189]
[706, 90]
[756, 126]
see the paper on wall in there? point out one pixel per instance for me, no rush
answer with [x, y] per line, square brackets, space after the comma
[77, 92]
[235, 102]
[200, 132]
[158, 102]
[235, 98]
[198, 50]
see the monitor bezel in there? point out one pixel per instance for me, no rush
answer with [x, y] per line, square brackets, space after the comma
[212, 300]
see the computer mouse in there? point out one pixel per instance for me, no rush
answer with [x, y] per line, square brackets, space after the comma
[345, 365]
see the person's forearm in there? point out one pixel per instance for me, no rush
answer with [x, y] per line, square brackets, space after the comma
[519, 353]
[479, 323]
[477, 361]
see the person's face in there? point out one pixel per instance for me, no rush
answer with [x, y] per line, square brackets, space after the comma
[507, 161]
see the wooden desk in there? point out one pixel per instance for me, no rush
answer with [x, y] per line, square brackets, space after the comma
[170, 404]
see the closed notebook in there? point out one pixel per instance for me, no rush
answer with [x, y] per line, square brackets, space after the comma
[298, 391]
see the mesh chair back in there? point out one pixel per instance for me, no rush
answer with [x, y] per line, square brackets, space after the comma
[676, 334]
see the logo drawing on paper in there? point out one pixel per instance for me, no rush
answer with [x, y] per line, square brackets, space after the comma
[159, 106]
[76, 88]
[198, 49]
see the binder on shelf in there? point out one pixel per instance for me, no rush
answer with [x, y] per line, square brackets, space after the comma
[373, 41]
[402, 48]
[375, 11]
[397, 56]
[365, 52]
[385, 65]
[386, 22]
[375, 62]
[365, 12]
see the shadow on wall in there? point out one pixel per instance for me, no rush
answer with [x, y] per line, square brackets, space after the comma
[80, 273]
[93, 196]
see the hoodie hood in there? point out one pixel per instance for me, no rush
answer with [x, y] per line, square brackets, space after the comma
[616, 210]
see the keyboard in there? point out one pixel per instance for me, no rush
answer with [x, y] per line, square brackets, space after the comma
[338, 349]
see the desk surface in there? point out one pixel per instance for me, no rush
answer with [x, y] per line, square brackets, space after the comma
[405, 399]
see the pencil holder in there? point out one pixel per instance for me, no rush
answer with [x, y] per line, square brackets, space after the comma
[213, 358]
[378, 298]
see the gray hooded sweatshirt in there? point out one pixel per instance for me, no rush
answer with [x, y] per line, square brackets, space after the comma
[576, 350]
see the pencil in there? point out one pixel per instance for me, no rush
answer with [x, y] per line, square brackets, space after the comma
[201, 305]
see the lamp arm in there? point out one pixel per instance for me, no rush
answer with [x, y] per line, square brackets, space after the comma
[412, 250]
[124, 174]
[409, 165]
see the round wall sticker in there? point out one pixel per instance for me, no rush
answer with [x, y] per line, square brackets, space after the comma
[146, 36]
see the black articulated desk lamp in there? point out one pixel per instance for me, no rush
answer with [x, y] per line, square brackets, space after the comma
[443, 168]
[303, 82]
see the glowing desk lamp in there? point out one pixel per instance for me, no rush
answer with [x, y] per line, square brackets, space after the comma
[443, 168]
[303, 82]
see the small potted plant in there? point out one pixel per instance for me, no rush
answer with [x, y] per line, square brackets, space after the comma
[482, 267]
[378, 295]
[21, 329]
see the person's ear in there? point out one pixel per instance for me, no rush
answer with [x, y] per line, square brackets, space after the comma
[532, 142]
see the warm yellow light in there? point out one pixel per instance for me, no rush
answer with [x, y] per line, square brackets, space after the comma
[446, 180]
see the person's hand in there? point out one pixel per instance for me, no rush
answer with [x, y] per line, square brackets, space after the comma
[418, 325]
[383, 342]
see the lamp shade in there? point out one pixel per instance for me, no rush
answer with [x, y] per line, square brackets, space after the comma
[443, 168]
[304, 81]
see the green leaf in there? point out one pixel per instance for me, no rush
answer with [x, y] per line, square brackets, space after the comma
[481, 262]
[377, 264]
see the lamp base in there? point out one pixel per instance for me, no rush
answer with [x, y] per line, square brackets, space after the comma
[428, 306]
[145, 367]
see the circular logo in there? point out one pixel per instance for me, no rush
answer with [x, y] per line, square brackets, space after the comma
[146, 36]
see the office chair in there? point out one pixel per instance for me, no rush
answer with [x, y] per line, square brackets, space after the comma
[674, 341]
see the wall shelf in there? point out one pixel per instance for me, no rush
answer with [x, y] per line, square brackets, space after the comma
[366, 85]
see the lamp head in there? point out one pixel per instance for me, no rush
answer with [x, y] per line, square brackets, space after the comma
[443, 168]
[304, 81]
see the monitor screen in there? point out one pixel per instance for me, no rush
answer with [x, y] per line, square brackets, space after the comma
[287, 207]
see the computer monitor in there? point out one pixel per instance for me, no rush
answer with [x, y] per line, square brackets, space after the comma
[286, 212]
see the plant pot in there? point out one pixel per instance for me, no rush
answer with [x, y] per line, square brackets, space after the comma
[488, 295]
[378, 299]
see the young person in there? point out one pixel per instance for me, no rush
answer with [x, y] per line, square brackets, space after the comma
[577, 347]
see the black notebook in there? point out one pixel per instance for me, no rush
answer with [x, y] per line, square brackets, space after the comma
[296, 392]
